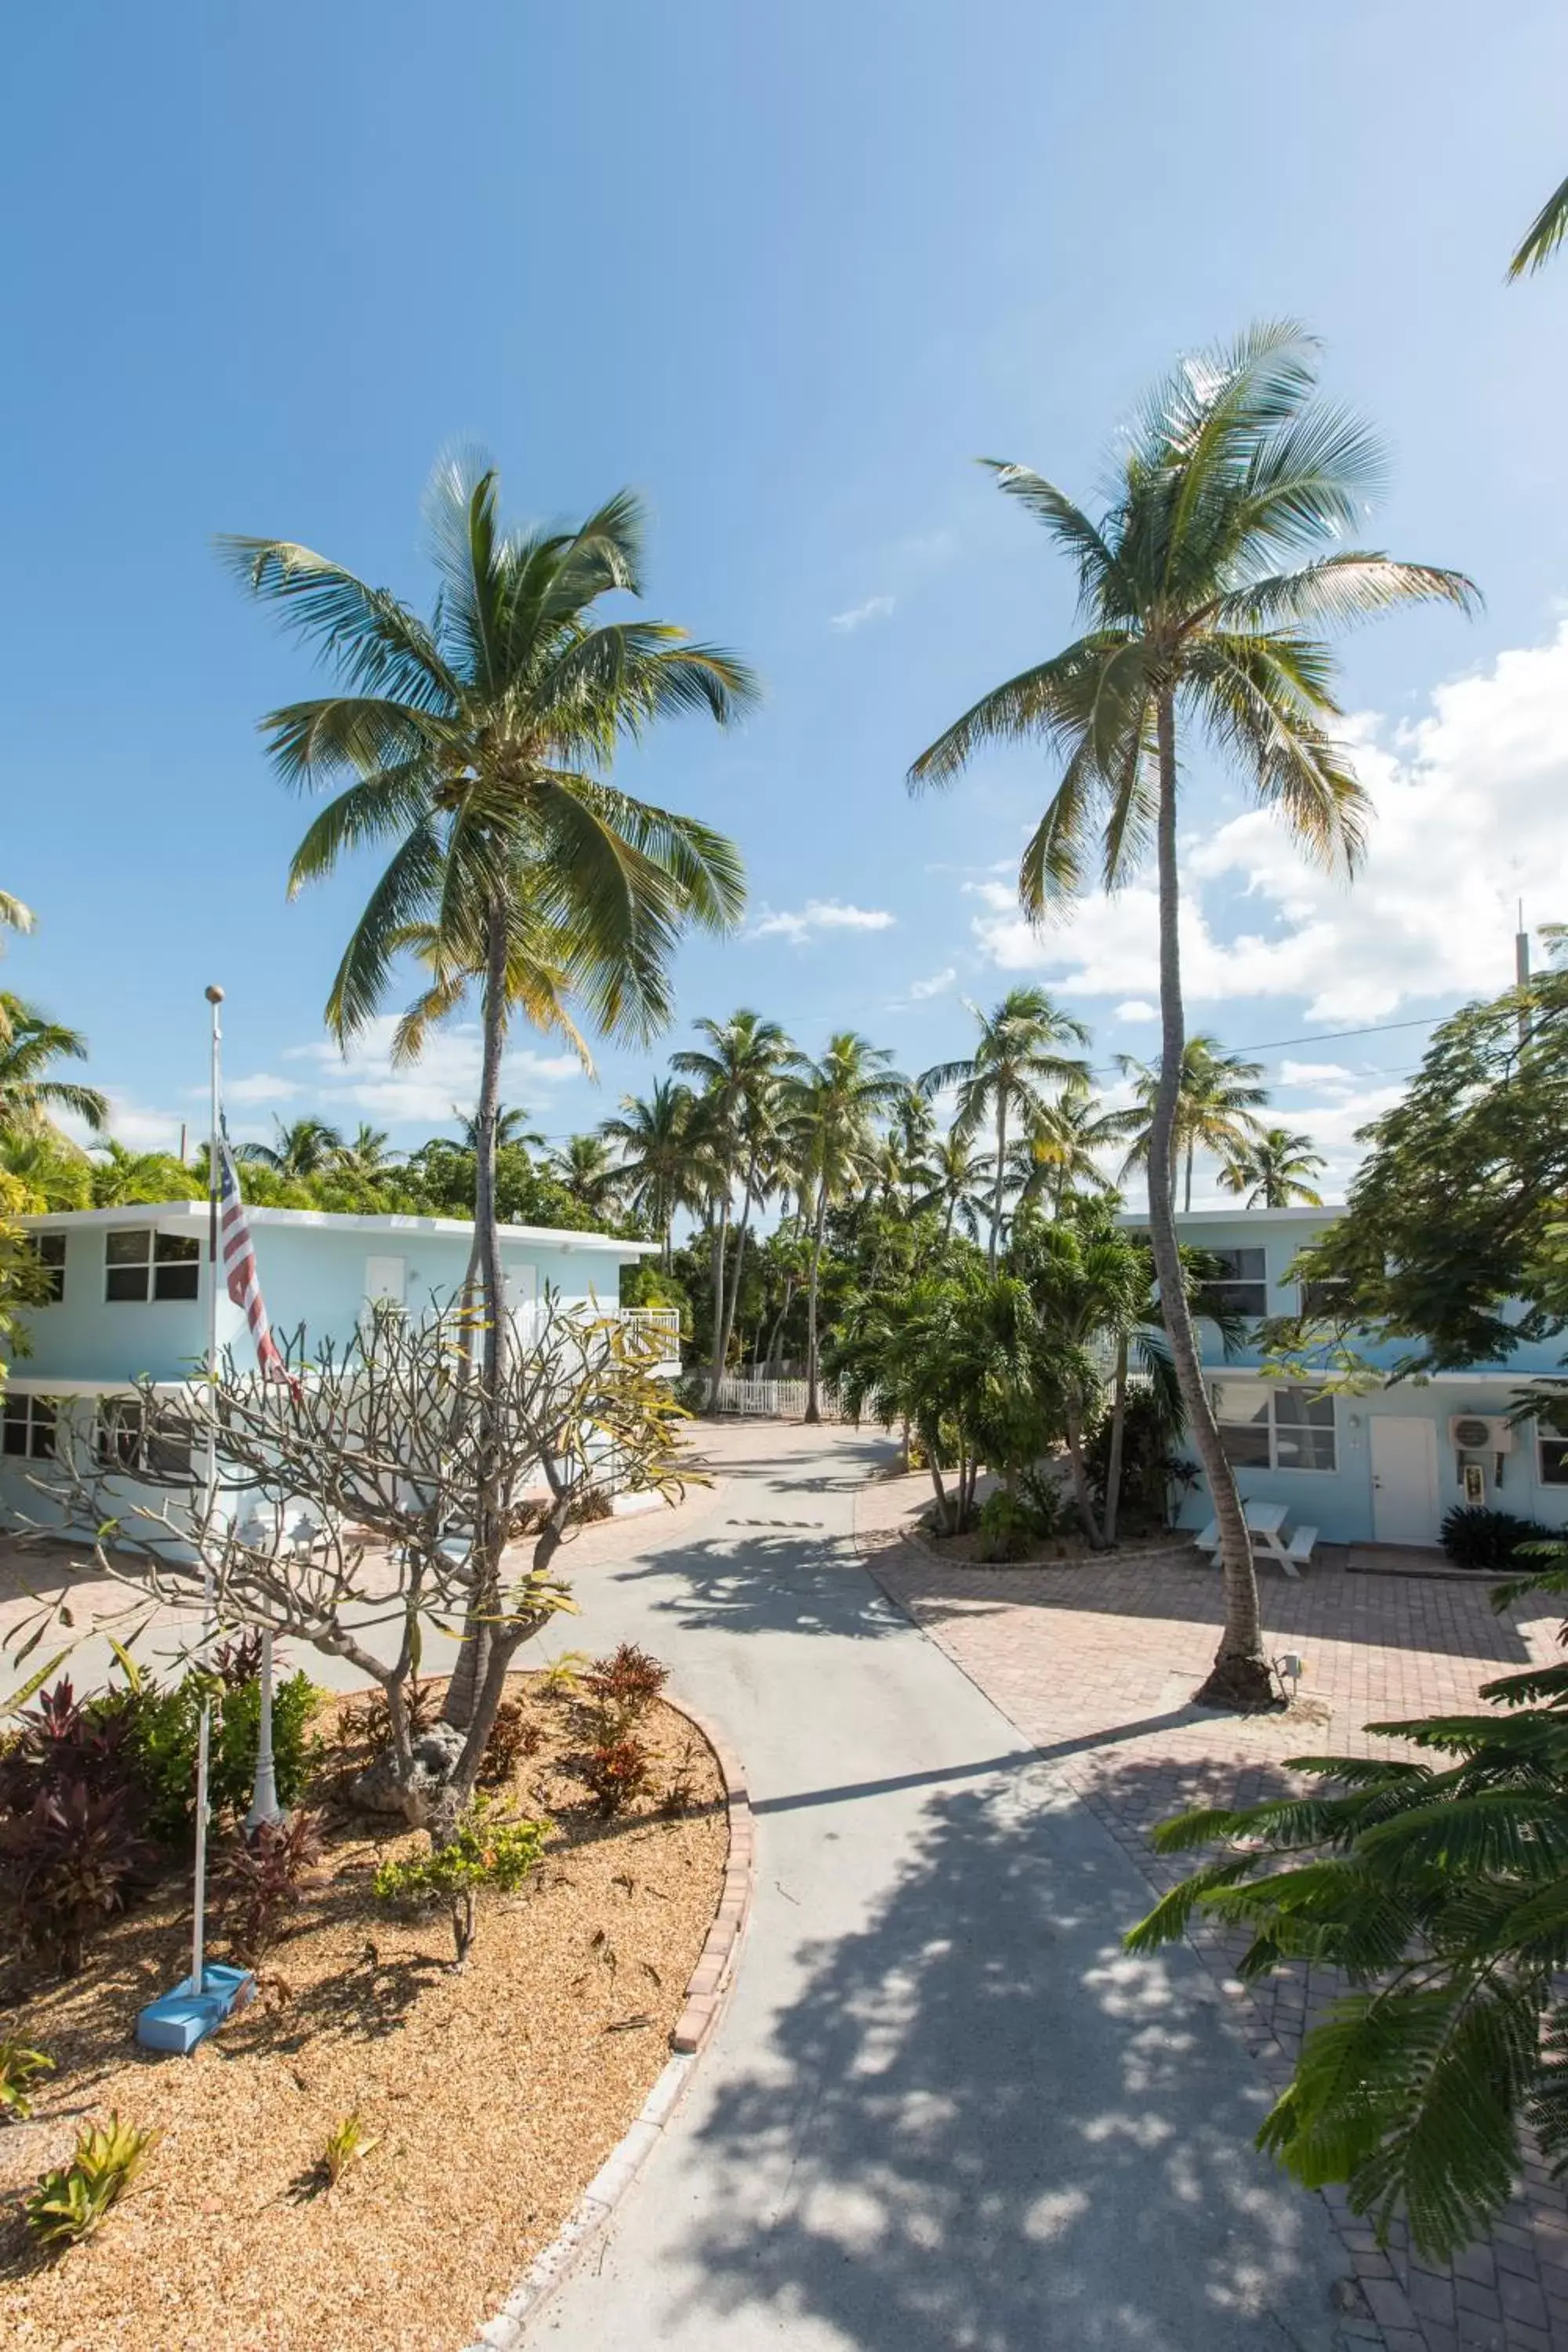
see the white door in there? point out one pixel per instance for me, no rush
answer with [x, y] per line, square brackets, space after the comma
[1404, 1478]
[521, 1294]
[385, 1281]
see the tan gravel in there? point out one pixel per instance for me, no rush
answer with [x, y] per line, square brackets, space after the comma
[495, 2095]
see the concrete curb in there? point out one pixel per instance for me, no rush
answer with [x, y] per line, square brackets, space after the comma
[1142, 1556]
[693, 2029]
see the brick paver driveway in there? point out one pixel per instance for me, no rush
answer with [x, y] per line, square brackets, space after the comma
[1095, 1663]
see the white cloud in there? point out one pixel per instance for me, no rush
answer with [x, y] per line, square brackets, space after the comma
[364, 1081]
[875, 608]
[818, 915]
[262, 1088]
[138, 1125]
[935, 986]
[1332, 1074]
[1135, 1008]
[1470, 808]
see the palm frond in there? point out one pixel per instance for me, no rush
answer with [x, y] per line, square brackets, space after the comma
[1544, 234]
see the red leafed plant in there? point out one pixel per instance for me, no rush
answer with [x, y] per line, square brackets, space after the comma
[618, 1770]
[263, 1878]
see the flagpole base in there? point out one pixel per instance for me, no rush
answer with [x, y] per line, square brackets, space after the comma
[177, 2021]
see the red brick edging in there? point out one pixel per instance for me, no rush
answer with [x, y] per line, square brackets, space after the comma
[715, 1968]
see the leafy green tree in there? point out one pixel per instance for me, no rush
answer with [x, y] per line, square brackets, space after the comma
[123, 1176]
[585, 1166]
[1216, 1094]
[1221, 555]
[741, 1070]
[1019, 1054]
[477, 744]
[45, 1170]
[300, 1148]
[1448, 1238]
[1274, 1170]
[31, 1046]
[1440, 1887]
[1060, 1152]
[1089, 1285]
[955, 1183]
[831, 1105]
[365, 1153]
[655, 1137]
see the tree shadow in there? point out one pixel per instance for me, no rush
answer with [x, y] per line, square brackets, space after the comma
[756, 1581]
[979, 2124]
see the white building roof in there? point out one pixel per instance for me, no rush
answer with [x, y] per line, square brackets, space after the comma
[174, 1216]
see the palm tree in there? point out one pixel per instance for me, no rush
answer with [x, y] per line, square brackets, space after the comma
[1060, 1153]
[1216, 1094]
[586, 1169]
[510, 1128]
[1274, 1170]
[13, 916]
[301, 1148]
[1019, 1054]
[367, 1155]
[955, 1181]
[1219, 554]
[477, 745]
[655, 1145]
[831, 1105]
[740, 1069]
[1544, 234]
[30, 1045]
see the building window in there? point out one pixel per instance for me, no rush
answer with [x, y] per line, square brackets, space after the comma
[1551, 1454]
[28, 1428]
[1265, 1425]
[50, 1249]
[140, 1265]
[122, 1440]
[1327, 1301]
[1237, 1285]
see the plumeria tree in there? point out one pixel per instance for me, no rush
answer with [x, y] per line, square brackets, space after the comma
[1224, 553]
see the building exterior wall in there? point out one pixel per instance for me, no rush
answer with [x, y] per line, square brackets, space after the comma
[1340, 1502]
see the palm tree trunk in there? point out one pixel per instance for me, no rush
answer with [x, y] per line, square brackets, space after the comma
[813, 1407]
[1001, 1173]
[1239, 1676]
[720, 1237]
[1187, 1196]
[721, 1352]
[1114, 1444]
[471, 1668]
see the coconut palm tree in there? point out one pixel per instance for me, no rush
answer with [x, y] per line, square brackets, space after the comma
[30, 1046]
[741, 1070]
[1275, 1169]
[366, 1154]
[1060, 1152]
[954, 1182]
[1224, 551]
[1215, 1097]
[656, 1154]
[300, 1148]
[1019, 1056]
[585, 1166]
[1544, 234]
[510, 1128]
[831, 1105]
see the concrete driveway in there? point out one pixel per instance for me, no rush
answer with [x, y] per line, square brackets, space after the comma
[942, 2110]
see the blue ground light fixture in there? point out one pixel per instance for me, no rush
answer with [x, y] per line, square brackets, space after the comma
[177, 2021]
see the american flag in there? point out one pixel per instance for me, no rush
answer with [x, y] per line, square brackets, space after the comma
[234, 1246]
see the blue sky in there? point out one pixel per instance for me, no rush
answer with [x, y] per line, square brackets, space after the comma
[788, 271]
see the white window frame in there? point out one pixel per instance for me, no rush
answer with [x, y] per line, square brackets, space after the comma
[1546, 1435]
[1270, 1392]
[122, 1440]
[161, 1253]
[36, 1416]
[54, 1265]
[1216, 1286]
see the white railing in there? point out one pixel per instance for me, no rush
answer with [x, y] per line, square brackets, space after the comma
[775, 1400]
[656, 1323]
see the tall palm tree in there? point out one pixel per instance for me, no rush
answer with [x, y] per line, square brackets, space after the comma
[1019, 1056]
[954, 1181]
[656, 1154]
[740, 1069]
[510, 1128]
[1544, 234]
[30, 1046]
[300, 1148]
[477, 744]
[1060, 1152]
[365, 1153]
[1274, 1170]
[831, 1105]
[585, 1166]
[1216, 1094]
[1222, 551]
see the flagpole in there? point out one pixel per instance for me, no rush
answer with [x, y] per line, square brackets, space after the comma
[204, 1734]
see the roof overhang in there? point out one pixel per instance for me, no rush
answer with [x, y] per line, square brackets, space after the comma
[188, 1217]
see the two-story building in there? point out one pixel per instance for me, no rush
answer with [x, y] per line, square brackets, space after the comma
[1384, 1465]
[128, 1302]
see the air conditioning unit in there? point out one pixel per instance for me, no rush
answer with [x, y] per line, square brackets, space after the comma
[1480, 1432]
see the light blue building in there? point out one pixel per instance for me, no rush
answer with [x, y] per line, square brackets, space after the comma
[1382, 1466]
[130, 1303]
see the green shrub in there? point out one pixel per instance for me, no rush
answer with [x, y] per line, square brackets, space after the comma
[486, 1849]
[1050, 1507]
[19, 2069]
[1006, 1528]
[67, 2204]
[1474, 1537]
[165, 1725]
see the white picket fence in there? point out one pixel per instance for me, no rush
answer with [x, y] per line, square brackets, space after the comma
[775, 1400]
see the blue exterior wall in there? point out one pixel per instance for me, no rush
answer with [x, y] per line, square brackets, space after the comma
[1340, 1503]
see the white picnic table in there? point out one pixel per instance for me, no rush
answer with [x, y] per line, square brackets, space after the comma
[1265, 1522]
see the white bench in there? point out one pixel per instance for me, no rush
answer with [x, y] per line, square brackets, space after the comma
[1292, 1557]
[1299, 1550]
